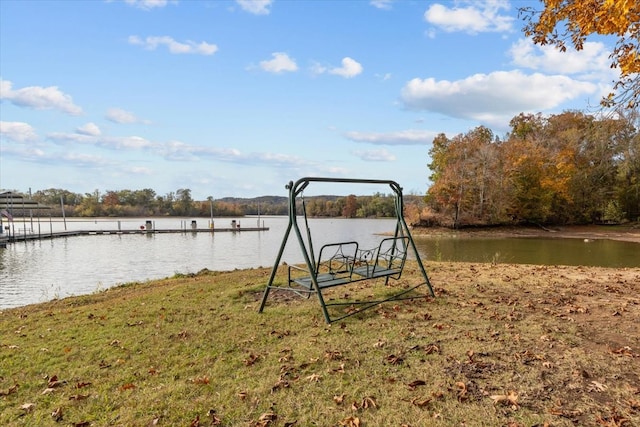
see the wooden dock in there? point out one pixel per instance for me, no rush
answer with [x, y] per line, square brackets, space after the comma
[4, 238]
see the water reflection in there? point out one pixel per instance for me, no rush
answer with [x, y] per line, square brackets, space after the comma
[553, 251]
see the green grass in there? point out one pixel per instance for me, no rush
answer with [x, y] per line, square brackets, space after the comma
[173, 351]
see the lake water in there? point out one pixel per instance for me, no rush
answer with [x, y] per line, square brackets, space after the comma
[40, 270]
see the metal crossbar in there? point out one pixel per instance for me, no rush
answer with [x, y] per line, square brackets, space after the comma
[344, 263]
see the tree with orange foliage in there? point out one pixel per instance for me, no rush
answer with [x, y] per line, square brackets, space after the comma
[578, 20]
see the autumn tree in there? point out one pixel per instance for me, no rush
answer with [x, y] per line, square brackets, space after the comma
[351, 206]
[90, 205]
[184, 203]
[465, 176]
[111, 203]
[628, 169]
[571, 21]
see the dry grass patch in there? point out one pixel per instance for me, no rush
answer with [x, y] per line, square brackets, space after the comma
[500, 345]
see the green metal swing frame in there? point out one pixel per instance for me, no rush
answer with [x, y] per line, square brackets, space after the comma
[346, 262]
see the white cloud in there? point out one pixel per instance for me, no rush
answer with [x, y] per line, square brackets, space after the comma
[256, 7]
[381, 155]
[79, 159]
[382, 4]
[405, 137]
[475, 17]
[108, 142]
[281, 62]
[350, 68]
[90, 129]
[594, 57]
[39, 98]
[493, 97]
[17, 131]
[317, 68]
[118, 115]
[175, 47]
[147, 4]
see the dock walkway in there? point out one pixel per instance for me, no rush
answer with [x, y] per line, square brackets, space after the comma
[4, 239]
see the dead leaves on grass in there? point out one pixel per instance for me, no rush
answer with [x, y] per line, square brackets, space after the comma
[10, 390]
[510, 398]
[350, 422]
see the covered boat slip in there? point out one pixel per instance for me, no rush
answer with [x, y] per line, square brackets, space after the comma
[344, 263]
[14, 206]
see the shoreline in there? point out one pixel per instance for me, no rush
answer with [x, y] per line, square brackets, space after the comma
[623, 233]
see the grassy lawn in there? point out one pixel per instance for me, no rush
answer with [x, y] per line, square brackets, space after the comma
[500, 345]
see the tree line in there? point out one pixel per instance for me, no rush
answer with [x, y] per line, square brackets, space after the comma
[145, 202]
[569, 168]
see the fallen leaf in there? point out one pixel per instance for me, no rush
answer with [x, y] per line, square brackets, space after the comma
[420, 403]
[57, 414]
[339, 399]
[339, 370]
[10, 390]
[623, 351]
[394, 360]
[267, 418]
[413, 384]
[82, 384]
[79, 397]
[200, 380]
[280, 384]
[27, 407]
[369, 402]
[510, 399]
[462, 391]
[81, 424]
[333, 355]
[128, 386]
[195, 422]
[350, 422]
[215, 420]
[314, 378]
[251, 359]
[597, 386]
[431, 348]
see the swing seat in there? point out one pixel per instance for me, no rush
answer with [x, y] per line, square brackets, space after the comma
[387, 260]
[333, 268]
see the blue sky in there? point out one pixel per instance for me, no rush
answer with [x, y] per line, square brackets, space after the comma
[237, 98]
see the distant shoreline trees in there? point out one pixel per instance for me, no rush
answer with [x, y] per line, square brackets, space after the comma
[145, 202]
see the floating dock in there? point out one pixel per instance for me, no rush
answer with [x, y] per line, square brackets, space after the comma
[4, 239]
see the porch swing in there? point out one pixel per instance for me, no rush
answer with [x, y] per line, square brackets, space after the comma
[342, 263]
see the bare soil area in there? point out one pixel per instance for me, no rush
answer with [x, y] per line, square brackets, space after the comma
[626, 233]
